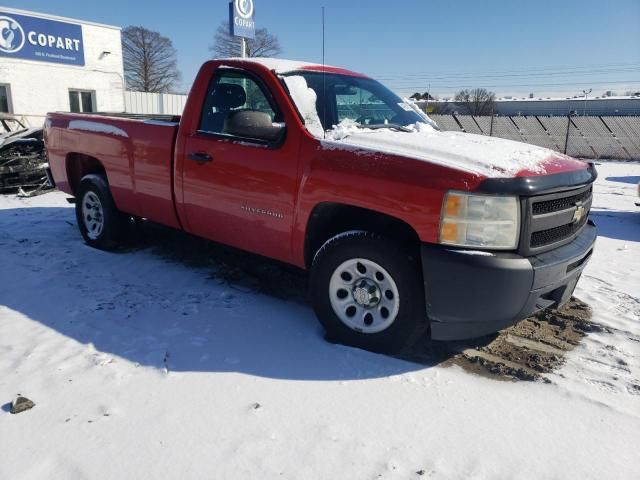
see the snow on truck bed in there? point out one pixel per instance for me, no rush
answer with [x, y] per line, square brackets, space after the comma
[142, 366]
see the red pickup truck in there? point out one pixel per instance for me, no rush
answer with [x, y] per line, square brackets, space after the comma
[404, 228]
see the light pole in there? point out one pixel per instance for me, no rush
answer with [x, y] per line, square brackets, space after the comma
[243, 47]
[428, 95]
[586, 95]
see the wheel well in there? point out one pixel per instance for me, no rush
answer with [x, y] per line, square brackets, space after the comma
[79, 165]
[330, 219]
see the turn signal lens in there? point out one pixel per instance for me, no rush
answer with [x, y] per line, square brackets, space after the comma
[452, 205]
[480, 221]
[448, 232]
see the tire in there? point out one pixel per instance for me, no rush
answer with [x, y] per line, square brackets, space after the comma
[375, 274]
[101, 224]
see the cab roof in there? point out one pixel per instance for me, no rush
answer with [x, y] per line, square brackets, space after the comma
[280, 65]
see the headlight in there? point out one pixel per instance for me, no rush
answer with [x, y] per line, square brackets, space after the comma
[482, 221]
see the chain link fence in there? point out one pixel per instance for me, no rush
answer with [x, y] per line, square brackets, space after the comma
[593, 137]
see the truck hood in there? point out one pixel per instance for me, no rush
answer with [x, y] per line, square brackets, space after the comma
[487, 156]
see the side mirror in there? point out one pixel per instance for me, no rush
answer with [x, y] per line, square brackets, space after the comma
[254, 124]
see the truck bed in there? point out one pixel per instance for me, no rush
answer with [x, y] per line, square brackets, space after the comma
[135, 150]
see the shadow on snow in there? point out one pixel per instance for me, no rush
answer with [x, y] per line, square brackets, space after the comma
[617, 225]
[631, 179]
[171, 300]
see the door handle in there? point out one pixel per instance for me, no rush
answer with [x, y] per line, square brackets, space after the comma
[200, 157]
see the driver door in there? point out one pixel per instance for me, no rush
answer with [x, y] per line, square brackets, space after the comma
[239, 191]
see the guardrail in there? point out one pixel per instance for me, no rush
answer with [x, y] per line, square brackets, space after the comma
[594, 137]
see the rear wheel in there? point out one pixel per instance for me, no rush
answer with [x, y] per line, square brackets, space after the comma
[367, 292]
[101, 224]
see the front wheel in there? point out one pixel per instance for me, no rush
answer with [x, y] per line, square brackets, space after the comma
[367, 292]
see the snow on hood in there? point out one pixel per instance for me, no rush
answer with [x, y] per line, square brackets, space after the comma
[487, 156]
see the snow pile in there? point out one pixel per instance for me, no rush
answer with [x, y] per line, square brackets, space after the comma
[413, 106]
[348, 128]
[97, 127]
[305, 99]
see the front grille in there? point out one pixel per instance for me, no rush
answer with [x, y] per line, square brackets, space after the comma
[553, 235]
[549, 206]
[554, 219]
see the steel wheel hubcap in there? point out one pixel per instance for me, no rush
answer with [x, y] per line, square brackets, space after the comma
[364, 296]
[92, 215]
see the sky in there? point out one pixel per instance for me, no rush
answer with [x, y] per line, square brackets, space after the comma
[545, 47]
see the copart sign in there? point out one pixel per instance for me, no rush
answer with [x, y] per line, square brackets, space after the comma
[40, 39]
[242, 18]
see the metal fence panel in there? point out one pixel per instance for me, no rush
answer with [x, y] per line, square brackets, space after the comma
[614, 137]
[599, 138]
[446, 122]
[469, 124]
[484, 123]
[154, 103]
[175, 104]
[578, 145]
[533, 132]
[503, 127]
[556, 127]
[627, 131]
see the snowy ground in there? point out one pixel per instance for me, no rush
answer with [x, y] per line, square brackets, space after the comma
[143, 366]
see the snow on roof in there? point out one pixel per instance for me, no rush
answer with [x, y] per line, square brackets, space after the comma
[280, 65]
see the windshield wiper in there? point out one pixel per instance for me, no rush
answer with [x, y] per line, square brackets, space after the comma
[393, 126]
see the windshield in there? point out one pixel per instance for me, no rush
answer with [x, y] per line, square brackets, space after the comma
[358, 100]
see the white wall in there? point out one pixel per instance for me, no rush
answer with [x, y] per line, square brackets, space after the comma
[41, 87]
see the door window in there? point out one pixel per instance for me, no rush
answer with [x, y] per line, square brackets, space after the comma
[82, 101]
[231, 91]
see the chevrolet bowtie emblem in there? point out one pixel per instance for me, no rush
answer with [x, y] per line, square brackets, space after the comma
[579, 213]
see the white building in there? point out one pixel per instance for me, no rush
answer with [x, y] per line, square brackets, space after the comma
[50, 63]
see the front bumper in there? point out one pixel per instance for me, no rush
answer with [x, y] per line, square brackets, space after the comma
[470, 295]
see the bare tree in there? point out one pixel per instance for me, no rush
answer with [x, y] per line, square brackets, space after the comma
[477, 101]
[150, 61]
[224, 45]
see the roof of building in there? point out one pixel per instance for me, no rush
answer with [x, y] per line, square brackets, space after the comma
[47, 16]
[562, 99]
